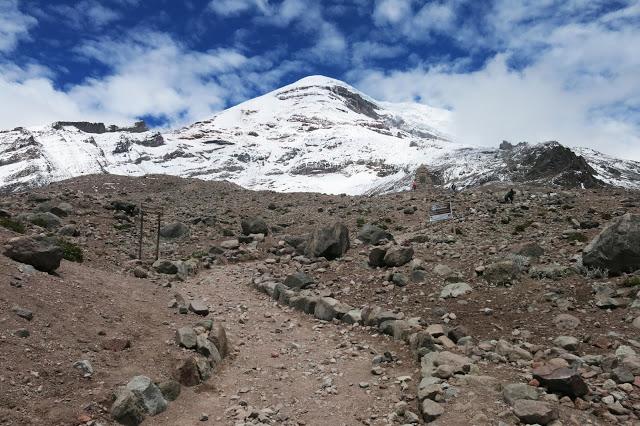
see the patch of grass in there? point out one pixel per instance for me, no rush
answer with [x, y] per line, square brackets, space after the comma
[198, 254]
[521, 227]
[122, 226]
[12, 225]
[577, 236]
[71, 252]
[38, 221]
[360, 222]
[632, 281]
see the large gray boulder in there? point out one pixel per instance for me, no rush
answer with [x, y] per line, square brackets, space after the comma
[617, 247]
[330, 242]
[501, 273]
[372, 234]
[42, 253]
[535, 412]
[254, 225]
[299, 280]
[45, 220]
[149, 394]
[174, 230]
[398, 256]
[128, 409]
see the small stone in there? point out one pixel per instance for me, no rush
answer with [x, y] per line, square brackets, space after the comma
[116, 344]
[204, 417]
[535, 412]
[23, 313]
[149, 393]
[198, 307]
[22, 332]
[515, 391]
[430, 410]
[186, 337]
[569, 343]
[85, 368]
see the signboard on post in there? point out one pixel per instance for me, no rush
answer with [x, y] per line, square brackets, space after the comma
[440, 212]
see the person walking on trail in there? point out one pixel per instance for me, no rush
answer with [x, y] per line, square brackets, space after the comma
[414, 185]
[508, 198]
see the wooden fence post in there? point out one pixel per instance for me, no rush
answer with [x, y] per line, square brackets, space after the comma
[141, 232]
[158, 236]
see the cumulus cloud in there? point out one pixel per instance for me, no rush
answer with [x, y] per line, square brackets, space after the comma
[237, 7]
[85, 13]
[562, 71]
[14, 25]
[149, 74]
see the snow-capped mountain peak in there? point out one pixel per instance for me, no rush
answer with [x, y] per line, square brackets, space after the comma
[317, 134]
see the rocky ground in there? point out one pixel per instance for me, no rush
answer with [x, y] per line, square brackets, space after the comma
[505, 315]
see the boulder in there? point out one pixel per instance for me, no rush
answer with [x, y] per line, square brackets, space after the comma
[218, 336]
[208, 349]
[535, 412]
[374, 235]
[45, 220]
[198, 307]
[305, 303]
[455, 290]
[569, 343]
[515, 391]
[127, 207]
[186, 372]
[430, 410]
[566, 322]
[430, 361]
[42, 253]
[376, 256]
[501, 273]
[128, 409]
[299, 280]
[186, 337]
[330, 242]
[148, 393]
[174, 230]
[564, 381]
[399, 279]
[354, 316]
[254, 225]
[163, 266]
[617, 247]
[398, 256]
[328, 308]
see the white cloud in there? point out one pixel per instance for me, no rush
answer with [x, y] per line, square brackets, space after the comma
[236, 7]
[149, 74]
[392, 11]
[14, 25]
[364, 51]
[83, 14]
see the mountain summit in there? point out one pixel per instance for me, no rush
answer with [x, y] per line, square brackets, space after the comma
[317, 134]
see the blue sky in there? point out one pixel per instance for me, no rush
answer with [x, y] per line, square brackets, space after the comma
[508, 69]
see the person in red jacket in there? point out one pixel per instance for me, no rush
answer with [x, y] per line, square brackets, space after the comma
[414, 185]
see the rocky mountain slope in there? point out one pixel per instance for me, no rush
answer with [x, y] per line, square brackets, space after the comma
[337, 309]
[318, 134]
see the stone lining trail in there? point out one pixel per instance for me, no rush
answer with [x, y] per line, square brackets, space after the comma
[295, 369]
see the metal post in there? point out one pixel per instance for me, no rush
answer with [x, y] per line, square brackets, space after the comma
[158, 237]
[141, 232]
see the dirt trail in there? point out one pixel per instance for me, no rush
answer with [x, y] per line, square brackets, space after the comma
[288, 360]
